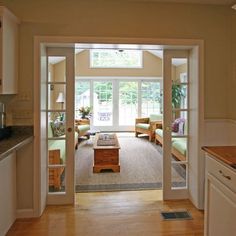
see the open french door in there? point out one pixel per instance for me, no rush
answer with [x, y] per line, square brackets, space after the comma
[60, 125]
[176, 109]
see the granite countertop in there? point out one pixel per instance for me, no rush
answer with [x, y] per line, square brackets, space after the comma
[226, 154]
[20, 136]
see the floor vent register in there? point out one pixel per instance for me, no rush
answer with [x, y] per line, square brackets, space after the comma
[176, 215]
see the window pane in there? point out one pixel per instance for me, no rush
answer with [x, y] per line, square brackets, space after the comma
[179, 70]
[179, 96]
[56, 96]
[151, 98]
[128, 102]
[82, 96]
[178, 175]
[115, 58]
[102, 104]
[179, 148]
[56, 179]
[180, 123]
[56, 124]
[57, 152]
[56, 69]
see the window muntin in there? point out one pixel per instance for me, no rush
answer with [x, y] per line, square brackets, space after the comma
[111, 58]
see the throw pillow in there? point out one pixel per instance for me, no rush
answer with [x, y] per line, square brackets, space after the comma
[176, 123]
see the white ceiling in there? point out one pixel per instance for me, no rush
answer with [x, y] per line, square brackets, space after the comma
[212, 2]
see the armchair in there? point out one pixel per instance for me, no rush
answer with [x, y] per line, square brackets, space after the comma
[82, 126]
[148, 125]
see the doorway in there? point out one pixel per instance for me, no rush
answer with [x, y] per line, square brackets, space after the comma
[170, 119]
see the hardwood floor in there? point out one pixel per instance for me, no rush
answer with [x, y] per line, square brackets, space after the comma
[112, 213]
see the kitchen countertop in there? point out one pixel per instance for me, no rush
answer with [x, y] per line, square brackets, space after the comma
[20, 136]
[226, 154]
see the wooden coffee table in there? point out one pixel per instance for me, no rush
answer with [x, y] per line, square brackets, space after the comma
[106, 156]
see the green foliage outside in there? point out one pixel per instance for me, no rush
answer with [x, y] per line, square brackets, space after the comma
[128, 91]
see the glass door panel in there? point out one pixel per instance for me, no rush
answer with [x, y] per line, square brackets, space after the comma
[151, 97]
[103, 103]
[128, 102]
[56, 69]
[178, 175]
[175, 135]
[56, 96]
[60, 126]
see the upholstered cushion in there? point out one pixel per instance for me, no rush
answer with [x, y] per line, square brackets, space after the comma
[160, 133]
[82, 128]
[155, 117]
[143, 126]
[180, 144]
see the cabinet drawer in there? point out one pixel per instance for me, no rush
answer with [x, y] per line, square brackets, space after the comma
[222, 173]
[111, 161]
[106, 160]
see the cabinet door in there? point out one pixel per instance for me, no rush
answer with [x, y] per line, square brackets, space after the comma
[221, 209]
[8, 52]
[7, 192]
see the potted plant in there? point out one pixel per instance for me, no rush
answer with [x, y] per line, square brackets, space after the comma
[177, 94]
[85, 112]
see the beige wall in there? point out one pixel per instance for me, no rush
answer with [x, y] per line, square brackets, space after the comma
[232, 83]
[152, 66]
[135, 19]
[57, 75]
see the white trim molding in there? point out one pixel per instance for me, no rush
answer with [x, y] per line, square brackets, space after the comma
[25, 213]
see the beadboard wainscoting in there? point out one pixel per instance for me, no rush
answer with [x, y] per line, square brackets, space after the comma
[220, 132]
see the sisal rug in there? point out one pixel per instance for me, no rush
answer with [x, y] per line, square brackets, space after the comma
[140, 167]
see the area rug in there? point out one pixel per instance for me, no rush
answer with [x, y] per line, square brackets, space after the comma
[140, 167]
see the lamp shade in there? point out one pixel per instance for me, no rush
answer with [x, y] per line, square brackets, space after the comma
[60, 98]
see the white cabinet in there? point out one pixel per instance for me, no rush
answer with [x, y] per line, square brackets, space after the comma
[220, 199]
[7, 192]
[8, 52]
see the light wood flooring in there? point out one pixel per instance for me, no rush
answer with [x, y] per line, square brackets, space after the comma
[112, 213]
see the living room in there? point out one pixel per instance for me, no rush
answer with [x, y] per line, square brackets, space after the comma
[117, 87]
[144, 22]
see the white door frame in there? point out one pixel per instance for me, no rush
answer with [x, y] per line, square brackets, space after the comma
[196, 163]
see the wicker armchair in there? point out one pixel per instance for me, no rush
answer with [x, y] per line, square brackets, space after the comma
[148, 125]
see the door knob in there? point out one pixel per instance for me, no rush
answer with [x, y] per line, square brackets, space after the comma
[69, 130]
[167, 128]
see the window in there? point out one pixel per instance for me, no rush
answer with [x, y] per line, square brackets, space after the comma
[110, 58]
[151, 98]
[82, 96]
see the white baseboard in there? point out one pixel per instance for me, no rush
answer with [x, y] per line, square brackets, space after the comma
[25, 213]
[220, 132]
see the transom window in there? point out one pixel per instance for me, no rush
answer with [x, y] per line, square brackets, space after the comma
[111, 58]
